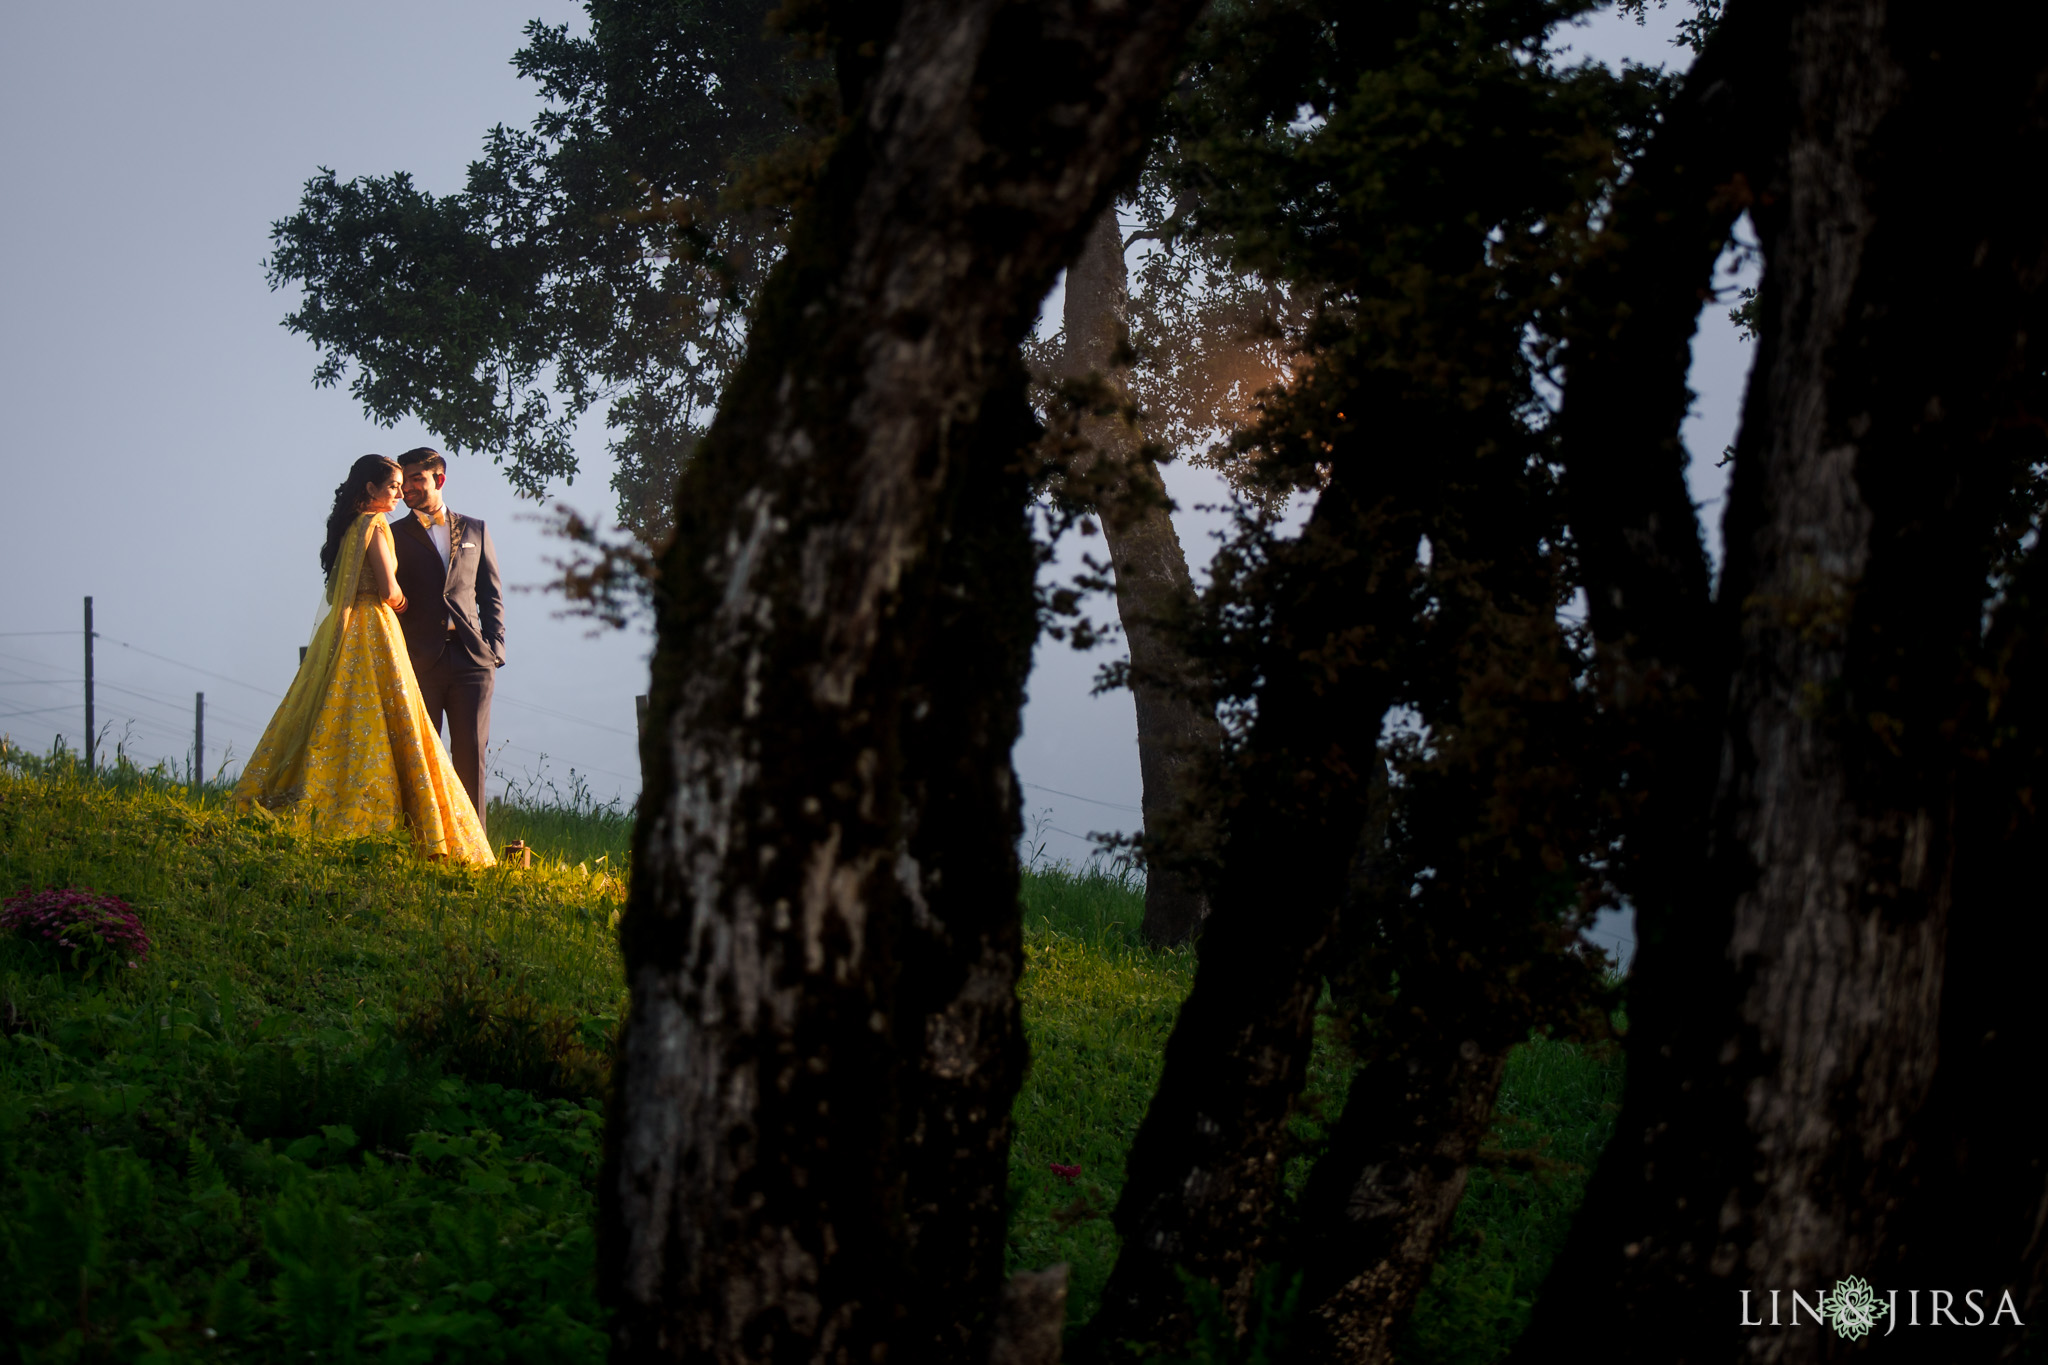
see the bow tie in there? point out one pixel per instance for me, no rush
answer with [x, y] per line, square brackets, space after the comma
[439, 518]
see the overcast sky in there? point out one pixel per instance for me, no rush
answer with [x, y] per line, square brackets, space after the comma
[165, 450]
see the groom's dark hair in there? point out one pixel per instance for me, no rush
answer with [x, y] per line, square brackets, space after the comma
[435, 462]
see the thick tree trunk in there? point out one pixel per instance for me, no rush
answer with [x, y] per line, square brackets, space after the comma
[1381, 1202]
[1982, 95]
[1176, 727]
[1780, 1143]
[1661, 653]
[961, 950]
[1459, 938]
[1979, 1224]
[777, 1060]
[1204, 1166]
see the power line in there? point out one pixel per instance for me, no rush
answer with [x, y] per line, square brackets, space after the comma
[43, 711]
[274, 696]
[1075, 796]
[38, 663]
[1084, 838]
[573, 767]
[223, 677]
[563, 715]
[177, 705]
[160, 700]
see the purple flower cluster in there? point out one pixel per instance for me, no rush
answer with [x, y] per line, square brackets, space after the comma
[104, 928]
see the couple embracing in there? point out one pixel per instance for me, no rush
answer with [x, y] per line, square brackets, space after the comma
[415, 629]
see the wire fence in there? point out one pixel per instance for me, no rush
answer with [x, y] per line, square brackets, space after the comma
[156, 727]
[152, 726]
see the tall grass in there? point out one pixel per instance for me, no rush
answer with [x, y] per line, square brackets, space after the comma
[562, 822]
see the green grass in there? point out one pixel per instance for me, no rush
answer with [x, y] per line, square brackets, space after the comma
[240, 1151]
[1098, 1006]
[348, 1105]
[1555, 1112]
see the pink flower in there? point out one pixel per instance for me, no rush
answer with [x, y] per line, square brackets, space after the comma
[78, 919]
[1067, 1173]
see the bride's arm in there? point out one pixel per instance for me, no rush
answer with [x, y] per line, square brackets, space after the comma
[380, 571]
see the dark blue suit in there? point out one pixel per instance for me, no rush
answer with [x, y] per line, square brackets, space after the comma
[454, 624]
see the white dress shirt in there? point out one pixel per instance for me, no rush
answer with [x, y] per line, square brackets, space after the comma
[439, 535]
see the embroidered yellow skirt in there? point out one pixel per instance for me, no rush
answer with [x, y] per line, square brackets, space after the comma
[351, 751]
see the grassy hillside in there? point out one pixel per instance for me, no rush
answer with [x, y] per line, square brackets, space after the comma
[347, 1108]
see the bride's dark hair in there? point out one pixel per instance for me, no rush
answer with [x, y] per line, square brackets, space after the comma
[348, 500]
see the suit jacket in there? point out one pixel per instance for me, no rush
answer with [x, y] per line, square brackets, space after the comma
[467, 592]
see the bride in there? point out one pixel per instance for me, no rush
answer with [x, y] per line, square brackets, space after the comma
[351, 750]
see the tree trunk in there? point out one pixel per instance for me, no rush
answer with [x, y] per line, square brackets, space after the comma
[777, 1060]
[1781, 1146]
[1461, 936]
[961, 950]
[1461, 933]
[1154, 595]
[1980, 311]
[1979, 1224]
[1204, 1166]
[1382, 1200]
[1660, 646]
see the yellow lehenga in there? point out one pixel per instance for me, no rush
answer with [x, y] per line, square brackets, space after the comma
[351, 751]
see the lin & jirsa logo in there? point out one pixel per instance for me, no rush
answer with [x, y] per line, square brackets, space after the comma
[1852, 1308]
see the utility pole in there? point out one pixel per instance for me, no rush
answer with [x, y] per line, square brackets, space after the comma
[88, 687]
[198, 740]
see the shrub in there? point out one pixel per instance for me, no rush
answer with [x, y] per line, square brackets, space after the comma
[100, 931]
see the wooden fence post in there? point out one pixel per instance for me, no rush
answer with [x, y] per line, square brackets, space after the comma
[89, 736]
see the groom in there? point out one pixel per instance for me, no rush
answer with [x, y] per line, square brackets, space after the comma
[454, 614]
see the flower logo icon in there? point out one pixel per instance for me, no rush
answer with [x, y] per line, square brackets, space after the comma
[1852, 1308]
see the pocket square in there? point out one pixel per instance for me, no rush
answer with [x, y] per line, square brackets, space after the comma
[468, 545]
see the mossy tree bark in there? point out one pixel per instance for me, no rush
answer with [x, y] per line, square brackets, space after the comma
[1177, 727]
[817, 1066]
[961, 951]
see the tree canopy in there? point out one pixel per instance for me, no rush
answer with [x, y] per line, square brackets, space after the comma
[608, 254]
